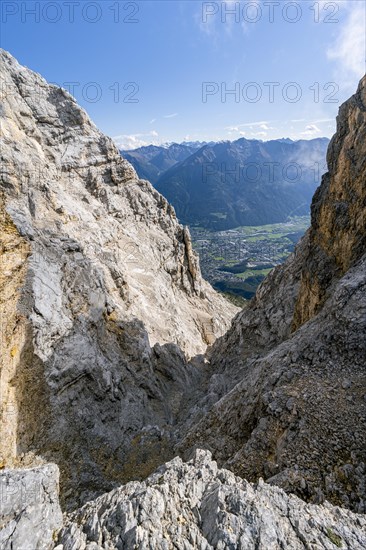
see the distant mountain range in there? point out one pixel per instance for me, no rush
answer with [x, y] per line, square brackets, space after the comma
[152, 161]
[229, 184]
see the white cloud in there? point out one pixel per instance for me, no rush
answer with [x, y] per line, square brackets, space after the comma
[133, 141]
[173, 115]
[260, 123]
[254, 135]
[311, 130]
[252, 130]
[205, 20]
[265, 127]
[152, 121]
[348, 49]
[210, 17]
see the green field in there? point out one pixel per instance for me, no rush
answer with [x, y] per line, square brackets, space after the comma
[253, 273]
[294, 224]
[236, 261]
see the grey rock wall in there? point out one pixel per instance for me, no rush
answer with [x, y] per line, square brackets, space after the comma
[30, 513]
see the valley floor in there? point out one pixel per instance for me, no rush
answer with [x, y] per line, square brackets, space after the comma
[236, 261]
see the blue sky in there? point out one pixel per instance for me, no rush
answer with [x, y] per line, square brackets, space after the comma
[151, 72]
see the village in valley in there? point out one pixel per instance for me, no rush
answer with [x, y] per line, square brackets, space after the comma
[235, 261]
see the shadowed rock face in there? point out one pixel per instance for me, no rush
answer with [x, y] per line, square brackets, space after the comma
[104, 296]
[287, 397]
[337, 237]
[103, 304]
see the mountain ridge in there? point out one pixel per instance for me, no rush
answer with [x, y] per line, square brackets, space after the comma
[105, 368]
[244, 182]
[289, 373]
[105, 288]
[229, 170]
[151, 161]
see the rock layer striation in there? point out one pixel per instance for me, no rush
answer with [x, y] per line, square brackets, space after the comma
[103, 298]
[196, 505]
[105, 319]
[287, 393]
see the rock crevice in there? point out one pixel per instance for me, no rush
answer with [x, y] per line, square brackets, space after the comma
[110, 277]
[105, 324]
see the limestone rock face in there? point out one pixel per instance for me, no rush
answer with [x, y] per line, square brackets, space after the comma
[337, 237]
[104, 321]
[14, 251]
[297, 415]
[196, 505]
[107, 288]
[30, 514]
[286, 399]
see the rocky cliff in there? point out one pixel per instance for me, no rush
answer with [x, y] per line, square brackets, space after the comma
[182, 505]
[14, 253]
[288, 398]
[30, 513]
[337, 238]
[102, 297]
[197, 505]
[104, 322]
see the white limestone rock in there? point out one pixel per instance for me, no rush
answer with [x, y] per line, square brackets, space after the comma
[111, 280]
[30, 513]
[195, 505]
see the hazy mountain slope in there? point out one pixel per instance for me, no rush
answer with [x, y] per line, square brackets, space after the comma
[97, 271]
[152, 161]
[291, 372]
[102, 302]
[228, 184]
